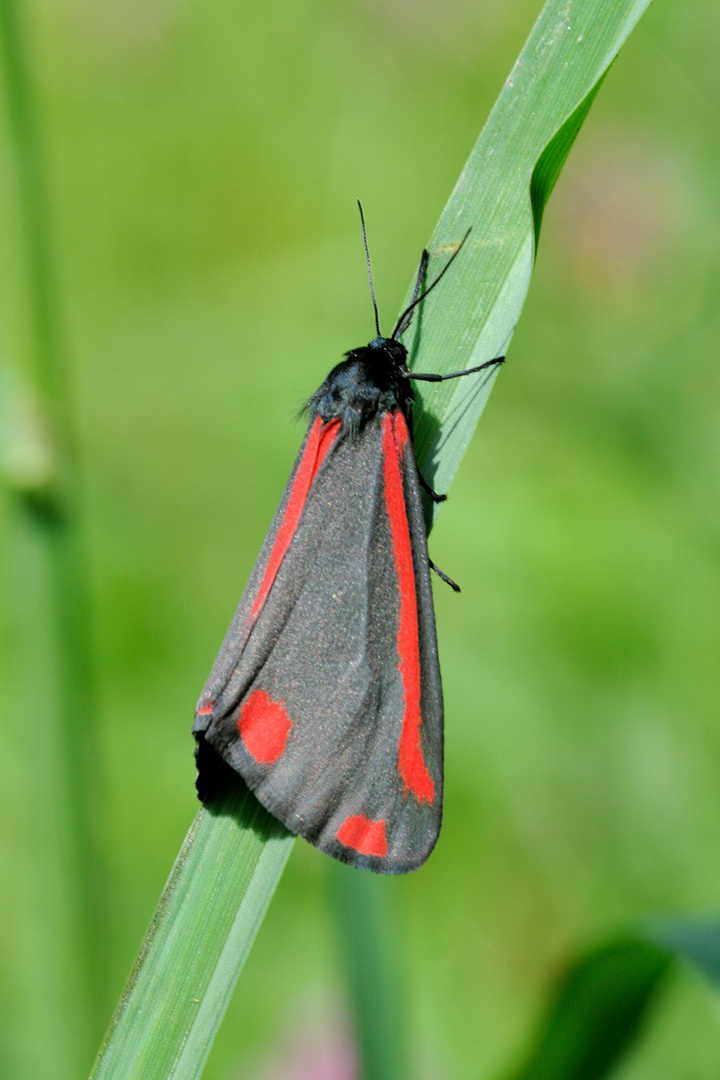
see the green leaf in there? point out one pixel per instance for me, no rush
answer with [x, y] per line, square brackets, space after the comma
[501, 195]
[369, 939]
[231, 862]
[41, 469]
[599, 1007]
[597, 1012]
[206, 921]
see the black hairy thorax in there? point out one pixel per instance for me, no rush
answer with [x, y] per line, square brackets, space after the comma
[371, 380]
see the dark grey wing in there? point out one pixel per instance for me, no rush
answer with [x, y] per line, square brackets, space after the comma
[326, 695]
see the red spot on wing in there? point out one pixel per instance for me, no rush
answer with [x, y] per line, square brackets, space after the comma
[363, 835]
[410, 756]
[264, 726]
[205, 711]
[319, 442]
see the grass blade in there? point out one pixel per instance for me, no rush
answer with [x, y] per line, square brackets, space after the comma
[58, 652]
[597, 1012]
[160, 1030]
[501, 195]
[600, 1006]
[369, 940]
[206, 921]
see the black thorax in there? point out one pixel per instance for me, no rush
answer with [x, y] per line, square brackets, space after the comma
[371, 380]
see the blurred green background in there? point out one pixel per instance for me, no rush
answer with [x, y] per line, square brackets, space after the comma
[202, 164]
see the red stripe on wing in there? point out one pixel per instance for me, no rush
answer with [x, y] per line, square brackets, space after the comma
[319, 442]
[410, 756]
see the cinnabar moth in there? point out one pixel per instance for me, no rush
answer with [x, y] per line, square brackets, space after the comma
[326, 694]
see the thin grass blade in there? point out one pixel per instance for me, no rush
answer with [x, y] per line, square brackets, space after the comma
[501, 195]
[597, 1012]
[189, 964]
[209, 913]
[601, 1006]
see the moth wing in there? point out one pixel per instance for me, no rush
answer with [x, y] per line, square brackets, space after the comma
[326, 695]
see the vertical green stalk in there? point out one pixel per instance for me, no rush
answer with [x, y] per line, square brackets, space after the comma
[49, 522]
[224, 878]
[377, 991]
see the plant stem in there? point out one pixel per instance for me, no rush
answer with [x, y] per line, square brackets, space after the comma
[375, 984]
[50, 508]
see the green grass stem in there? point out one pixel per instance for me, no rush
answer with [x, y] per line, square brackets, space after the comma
[166, 1020]
[49, 504]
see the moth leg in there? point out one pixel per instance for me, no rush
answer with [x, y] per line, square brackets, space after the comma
[426, 487]
[432, 376]
[422, 271]
[448, 580]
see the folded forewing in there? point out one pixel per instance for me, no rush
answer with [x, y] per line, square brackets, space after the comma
[326, 694]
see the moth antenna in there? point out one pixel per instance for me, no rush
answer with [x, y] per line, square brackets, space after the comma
[369, 269]
[406, 317]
